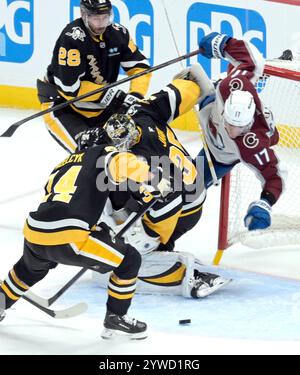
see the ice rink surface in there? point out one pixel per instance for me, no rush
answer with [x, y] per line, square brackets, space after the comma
[258, 313]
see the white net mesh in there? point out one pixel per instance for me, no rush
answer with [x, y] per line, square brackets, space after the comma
[282, 96]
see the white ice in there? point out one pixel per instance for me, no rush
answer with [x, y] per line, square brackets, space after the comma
[258, 313]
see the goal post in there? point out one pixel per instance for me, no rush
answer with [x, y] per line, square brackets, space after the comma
[279, 89]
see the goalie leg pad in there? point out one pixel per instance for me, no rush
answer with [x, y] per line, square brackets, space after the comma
[162, 273]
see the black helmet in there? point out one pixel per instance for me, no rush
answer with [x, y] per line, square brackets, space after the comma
[96, 6]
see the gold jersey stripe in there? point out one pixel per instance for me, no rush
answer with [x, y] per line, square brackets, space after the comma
[118, 281]
[163, 228]
[120, 296]
[174, 277]
[191, 212]
[87, 114]
[9, 293]
[18, 281]
[58, 130]
[55, 238]
[93, 247]
[141, 84]
[189, 92]
[85, 87]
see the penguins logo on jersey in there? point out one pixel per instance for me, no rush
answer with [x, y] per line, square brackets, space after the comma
[77, 33]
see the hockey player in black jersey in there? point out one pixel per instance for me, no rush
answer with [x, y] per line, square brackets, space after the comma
[88, 55]
[145, 131]
[62, 230]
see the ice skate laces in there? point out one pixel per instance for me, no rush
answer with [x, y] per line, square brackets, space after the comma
[128, 320]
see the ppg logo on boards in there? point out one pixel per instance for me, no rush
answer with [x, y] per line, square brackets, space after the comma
[137, 16]
[204, 18]
[16, 30]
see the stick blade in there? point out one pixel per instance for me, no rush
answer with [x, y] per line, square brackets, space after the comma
[71, 312]
[10, 131]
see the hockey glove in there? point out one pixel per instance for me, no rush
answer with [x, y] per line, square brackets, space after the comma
[213, 44]
[129, 100]
[91, 137]
[258, 215]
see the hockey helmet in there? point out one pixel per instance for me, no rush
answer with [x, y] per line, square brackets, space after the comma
[122, 130]
[96, 15]
[96, 6]
[239, 109]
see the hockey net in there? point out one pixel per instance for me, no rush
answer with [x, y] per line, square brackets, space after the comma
[279, 90]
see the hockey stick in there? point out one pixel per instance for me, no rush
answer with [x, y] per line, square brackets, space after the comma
[202, 136]
[10, 131]
[133, 217]
[57, 314]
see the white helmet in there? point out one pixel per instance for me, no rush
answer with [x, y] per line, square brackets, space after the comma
[239, 108]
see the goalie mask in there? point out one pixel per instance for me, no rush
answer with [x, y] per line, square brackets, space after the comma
[96, 15]
[239, 112]
[122, 130]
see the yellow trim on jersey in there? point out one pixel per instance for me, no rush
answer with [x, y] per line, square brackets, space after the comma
[85, 87]
[118, 281]
[87, 114]
[174, 277]
[18, 281]
[163, 228]
[141, 84]
[131, 45]
[56, 128]
[120, 296]
[93, 247]
[191, 212]
[189, 92]
[9, 293]
[125, 166]
[55, 238]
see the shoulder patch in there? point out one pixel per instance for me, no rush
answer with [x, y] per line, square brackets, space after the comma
[110, 149]
[77, 33]
[119, 27]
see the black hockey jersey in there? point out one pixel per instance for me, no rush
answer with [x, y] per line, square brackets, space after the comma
[82, 63]
[76, 193]
[153, 117]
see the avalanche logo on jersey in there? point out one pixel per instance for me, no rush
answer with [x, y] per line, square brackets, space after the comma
[203, 18]
[137, 16]
[16, 30]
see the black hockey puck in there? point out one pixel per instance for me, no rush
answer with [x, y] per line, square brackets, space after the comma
[185, 321]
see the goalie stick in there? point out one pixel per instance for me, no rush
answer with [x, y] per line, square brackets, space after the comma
[11, 130]
[47, 302]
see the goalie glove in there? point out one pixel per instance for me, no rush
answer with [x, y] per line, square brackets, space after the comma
[213, 45]
[91, 137]
[258, 215]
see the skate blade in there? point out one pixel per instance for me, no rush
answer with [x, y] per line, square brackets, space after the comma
[111, 334]
[2, 315]
[206, 292]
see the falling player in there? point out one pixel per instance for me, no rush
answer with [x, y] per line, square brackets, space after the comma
[237, 126]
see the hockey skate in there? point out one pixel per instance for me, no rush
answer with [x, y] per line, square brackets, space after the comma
[116, 325]
[204, 284]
